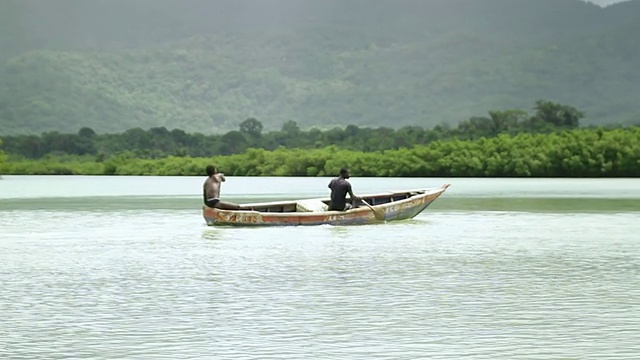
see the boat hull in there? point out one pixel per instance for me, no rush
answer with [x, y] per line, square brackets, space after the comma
[393, 210]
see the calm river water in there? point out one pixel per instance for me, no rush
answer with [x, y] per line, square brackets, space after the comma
[125, 268]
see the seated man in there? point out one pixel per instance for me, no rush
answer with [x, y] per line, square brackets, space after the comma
[211, 190]
[340, 187]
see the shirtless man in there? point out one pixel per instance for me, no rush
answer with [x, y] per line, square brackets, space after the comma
[340, 187]
[212, 190]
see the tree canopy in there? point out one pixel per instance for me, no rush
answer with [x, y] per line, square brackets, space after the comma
[158, 142]
[3, 157]
[594, 152]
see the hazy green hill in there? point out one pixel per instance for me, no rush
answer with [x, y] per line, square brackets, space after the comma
[78, 24]
[206, 66]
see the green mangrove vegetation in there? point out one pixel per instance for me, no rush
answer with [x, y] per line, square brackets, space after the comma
[594, 152]
[547, 143]
[3, 157]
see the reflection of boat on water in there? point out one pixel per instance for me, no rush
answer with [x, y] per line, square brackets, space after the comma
[388, 206]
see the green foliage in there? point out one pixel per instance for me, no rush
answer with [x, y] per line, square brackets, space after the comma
[53, 165]
[158, 142]
[114, 66]
[251, 128]
[594, 152]
[3, 157]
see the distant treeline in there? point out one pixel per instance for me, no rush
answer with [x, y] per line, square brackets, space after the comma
[159, 142]
[570, 153]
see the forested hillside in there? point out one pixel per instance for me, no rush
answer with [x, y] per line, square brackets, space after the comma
[206, 66]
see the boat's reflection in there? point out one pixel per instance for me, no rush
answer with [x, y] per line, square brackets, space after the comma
[214, 233]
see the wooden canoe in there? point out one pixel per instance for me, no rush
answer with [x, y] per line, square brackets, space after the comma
[396, 205]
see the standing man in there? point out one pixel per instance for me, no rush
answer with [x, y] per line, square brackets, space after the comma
[211, 190]
[340, 187]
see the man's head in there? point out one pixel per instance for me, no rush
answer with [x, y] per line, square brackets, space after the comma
[344, 173]
[211, 170]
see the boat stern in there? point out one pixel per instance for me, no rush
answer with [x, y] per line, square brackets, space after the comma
[209, 215]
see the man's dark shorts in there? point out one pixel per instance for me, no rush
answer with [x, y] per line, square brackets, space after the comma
[347, 206]
[212, 202]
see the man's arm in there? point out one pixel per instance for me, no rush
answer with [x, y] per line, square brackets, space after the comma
[221, 177]
[354, 198]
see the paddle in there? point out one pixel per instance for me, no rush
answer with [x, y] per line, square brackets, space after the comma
[378, 213]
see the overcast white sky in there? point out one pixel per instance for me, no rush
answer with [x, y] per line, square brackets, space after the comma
[605, 2]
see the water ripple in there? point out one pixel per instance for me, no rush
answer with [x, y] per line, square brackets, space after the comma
[447, 285]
